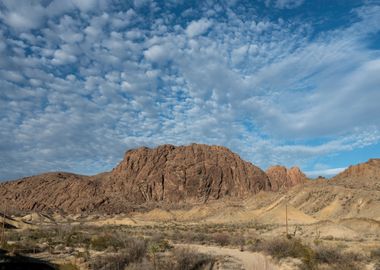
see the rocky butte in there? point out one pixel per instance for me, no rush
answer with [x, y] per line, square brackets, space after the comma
[168, 174]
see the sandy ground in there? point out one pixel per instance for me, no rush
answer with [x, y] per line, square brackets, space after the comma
[248, 260]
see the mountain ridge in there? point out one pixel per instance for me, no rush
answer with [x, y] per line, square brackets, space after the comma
[166, 174]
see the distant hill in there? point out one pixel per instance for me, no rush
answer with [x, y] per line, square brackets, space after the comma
[364, 176]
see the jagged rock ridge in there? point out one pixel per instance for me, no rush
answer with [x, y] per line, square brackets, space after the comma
[282, 178]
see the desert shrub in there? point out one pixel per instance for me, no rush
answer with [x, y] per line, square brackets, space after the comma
[193, 237]
[238, 240]
[77, 239]
[40, 234]
[109, 261]
[328, 255]
[159, 243]
[135, 249]
[221, 239]
[187, 259]
[13, 236]
[311, 258]
[146, 265]
[282, 248]
[24, 247]
[132, 248]
[85, 256]
[102, 242]
[375, 254]
[68, 266]
[337, 259]
[133, 253]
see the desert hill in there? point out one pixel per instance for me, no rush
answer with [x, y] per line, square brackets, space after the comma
[167, 174]
[363, 176]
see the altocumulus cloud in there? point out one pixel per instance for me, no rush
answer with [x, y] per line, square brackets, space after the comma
[282, 81]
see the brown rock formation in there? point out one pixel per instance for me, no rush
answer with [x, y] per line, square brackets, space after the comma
[187, 173]
[281, 178]
[169, 174]
[52, 191]
[363, 176]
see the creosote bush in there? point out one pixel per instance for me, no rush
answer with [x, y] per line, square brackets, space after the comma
[188, 259]
[221, 239]
[337, 259]
[282, 248]
[134, 250]
[330, 257]
[68, 266]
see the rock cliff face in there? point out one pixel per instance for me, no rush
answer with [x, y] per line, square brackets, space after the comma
[281, 178]
[194, 173]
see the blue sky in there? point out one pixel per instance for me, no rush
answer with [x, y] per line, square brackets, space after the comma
[291, 82]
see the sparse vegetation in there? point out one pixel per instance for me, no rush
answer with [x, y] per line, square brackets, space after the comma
[68, 266]
[312, 258]
[187, 259]
[221, 239]
[153, 247]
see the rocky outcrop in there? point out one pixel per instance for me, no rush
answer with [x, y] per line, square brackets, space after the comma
[52, 191]
[282, 178]
[187, 173]
[361, 176]
[168, 174]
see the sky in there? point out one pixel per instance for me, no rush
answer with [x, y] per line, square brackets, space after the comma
[290, 82]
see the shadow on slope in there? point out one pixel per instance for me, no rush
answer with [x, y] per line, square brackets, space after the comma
[20, 262]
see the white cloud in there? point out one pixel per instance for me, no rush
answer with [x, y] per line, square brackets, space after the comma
[158, 53]
[85, 5]
[284, 4]
[140, 3]
[22, 15]
[84, 86]
[239, 54]
[288, 3]
[325, 172]
[62, 57]
[196, 28]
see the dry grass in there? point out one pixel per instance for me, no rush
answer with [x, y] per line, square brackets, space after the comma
[123, 249]
[188, 259]
[320, 257]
